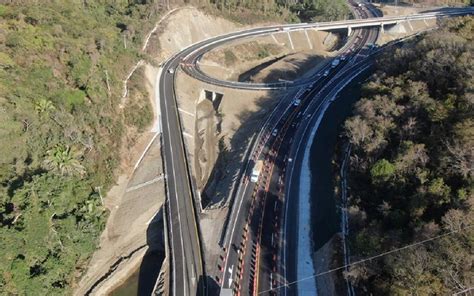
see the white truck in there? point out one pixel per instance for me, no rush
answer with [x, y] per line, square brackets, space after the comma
[335, 63]
[257, 168]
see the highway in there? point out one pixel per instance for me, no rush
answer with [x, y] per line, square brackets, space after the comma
[187, 267]
[190, 61]
[251, 264]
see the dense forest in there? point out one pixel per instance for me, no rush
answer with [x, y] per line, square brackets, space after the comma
[62, 64]
[411, 168]
[64, 123]
[251, 11]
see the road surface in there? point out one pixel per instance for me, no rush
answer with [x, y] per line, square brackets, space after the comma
[187, 266]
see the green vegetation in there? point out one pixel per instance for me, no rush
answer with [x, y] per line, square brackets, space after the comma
[427, 3]
[411, 171]
[229, 58]
[252, 11]
[62, 65]
[321, 10]
[61, 69]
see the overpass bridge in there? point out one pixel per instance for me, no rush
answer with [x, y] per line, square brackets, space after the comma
[386, 21]
[190, 58]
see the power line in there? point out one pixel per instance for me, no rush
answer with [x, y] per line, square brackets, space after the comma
[369, 258]
[464, 291]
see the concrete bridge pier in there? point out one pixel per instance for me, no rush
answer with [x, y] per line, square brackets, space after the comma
[349, 31]
[381, 28]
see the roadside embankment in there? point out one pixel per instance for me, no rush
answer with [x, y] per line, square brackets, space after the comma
[403, 29]
[133, 203]
[269, 58]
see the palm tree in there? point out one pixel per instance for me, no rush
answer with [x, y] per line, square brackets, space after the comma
[44, 106]
[64, 160]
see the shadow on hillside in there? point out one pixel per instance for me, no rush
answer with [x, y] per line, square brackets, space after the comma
[227, 168]
[154, 256]
[247, 75]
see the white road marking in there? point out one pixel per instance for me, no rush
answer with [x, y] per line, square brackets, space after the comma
[177, 203]
[271, 280]
[231, 269]
[193, 277]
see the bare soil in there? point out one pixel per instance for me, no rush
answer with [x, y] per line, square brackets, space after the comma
[395, 10]
[291, 67]
[405, 9]
[323, 261]
[132, 203]
[269, 58]
[187, 26]
[216, 135]
[405, 29]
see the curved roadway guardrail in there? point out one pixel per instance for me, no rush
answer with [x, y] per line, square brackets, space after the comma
[190, 60]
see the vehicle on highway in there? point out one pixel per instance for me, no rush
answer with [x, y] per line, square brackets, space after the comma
[335, 63]
[343, 58]
[171, 70]
[326, 73]
[297, 102]
[257, 168]
[275, 132]
[371, 46]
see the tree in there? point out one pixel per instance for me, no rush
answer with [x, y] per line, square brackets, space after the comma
[64, 160]
[44, 106]
[382, 170]
[412, 165]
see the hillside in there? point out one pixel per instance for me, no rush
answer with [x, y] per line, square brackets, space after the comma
[411, 168]
[61, 71]
[67, 123]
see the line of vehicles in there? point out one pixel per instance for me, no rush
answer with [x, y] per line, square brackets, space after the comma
[301, 93]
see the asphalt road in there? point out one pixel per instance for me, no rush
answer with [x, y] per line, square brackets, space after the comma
[187, 270]
[261, 212]
[191, 61]
[251, 264]
[290, 234]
